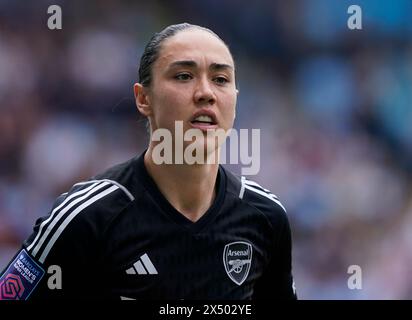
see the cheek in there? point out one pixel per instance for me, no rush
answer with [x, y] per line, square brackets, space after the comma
[169, 105]
[229, 110]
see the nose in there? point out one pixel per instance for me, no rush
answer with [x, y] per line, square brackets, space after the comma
[204, 93]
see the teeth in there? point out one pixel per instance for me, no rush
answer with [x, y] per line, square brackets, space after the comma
[204, 119]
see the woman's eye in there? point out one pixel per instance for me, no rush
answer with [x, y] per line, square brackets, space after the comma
[183, 76]
[221, 80]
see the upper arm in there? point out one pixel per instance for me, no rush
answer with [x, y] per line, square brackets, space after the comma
[67, 238]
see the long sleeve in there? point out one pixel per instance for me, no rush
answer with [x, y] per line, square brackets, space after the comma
[62, 258]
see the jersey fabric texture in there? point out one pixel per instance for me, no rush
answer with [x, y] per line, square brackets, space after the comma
[117, 237]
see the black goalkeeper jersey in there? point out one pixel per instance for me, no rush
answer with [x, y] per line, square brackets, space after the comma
[117, 237]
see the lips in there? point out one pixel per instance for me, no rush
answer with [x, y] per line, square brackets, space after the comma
[205, 117]
[204, 120]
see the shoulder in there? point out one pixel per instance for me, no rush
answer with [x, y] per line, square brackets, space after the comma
[94, 193]
[251, 193]
[80, 215]
[102, 196]
[123, 175]
[110, 189]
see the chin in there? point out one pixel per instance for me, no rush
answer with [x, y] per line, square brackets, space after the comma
[198, 152]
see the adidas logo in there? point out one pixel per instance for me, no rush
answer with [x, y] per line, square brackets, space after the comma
[142, 266]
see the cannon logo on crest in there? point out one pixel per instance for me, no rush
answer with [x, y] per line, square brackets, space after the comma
[237, 259]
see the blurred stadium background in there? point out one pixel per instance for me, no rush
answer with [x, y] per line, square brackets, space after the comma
[334, 107]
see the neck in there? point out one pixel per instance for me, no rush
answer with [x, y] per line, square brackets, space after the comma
[189, 188]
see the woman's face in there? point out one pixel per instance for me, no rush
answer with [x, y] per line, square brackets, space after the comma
[193, 76]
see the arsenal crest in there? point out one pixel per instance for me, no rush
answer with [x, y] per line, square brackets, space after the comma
[237, 258]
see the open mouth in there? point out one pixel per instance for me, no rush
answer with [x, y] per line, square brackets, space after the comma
[204, 120]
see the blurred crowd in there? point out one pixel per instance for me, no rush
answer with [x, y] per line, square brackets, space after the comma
[334, 107]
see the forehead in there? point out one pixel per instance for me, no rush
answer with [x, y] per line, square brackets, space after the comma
[192, 44]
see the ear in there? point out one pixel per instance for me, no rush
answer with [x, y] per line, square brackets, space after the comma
[142, 99]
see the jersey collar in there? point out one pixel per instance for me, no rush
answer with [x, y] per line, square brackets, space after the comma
[169, 210]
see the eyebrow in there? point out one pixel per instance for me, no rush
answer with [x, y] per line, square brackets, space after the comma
[192, 64]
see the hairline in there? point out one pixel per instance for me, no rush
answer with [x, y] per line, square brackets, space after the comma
[191, 28]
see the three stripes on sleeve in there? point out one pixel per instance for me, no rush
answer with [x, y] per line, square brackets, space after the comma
[83, 195]
[255, 187]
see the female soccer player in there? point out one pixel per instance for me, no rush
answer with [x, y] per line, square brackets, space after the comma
[148, 229]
